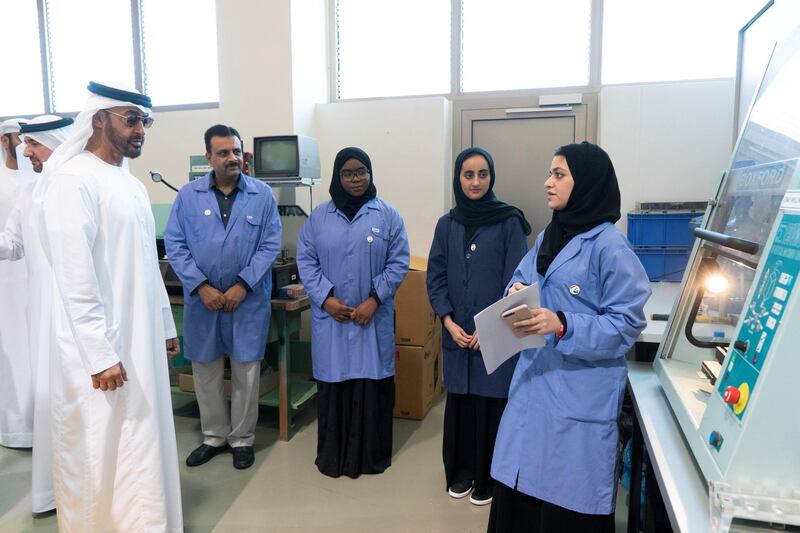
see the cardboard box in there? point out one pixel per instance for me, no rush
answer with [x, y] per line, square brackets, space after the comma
[418, 378]
[440, 361]
[269, 381]
[415, 320]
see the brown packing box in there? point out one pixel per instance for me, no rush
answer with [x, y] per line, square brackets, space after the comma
[269, 381]
[414, 316]
[440, 362]
[418, 377]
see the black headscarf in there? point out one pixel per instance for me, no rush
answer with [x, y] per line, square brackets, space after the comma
[347, 204]
[487, 209]
[593, 201]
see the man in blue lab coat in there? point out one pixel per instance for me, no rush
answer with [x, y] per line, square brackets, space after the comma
[222, 237]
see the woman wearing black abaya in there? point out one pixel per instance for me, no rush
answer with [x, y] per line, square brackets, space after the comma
[352, 255]
[475, 249]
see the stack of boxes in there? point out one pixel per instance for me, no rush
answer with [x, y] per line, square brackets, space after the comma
[418, 346]
[661, 236]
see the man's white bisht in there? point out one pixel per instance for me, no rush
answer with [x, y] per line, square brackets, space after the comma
[16, 391]
[21, 239]
[115, 461]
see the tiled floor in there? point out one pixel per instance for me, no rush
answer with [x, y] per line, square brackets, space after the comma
[283, 491]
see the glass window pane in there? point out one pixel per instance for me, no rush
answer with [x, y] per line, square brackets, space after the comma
[180, 51]
[676, 40]
[524, 44]
[90, 40]
[21, 88]
[393, 52]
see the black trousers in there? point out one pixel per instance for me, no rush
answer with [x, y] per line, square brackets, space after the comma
[354, 420]
[515, 512]
[470, 429]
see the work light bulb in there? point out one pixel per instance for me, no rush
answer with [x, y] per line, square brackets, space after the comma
[716, 283]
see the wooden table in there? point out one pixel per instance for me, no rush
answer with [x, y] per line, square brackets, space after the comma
[287, 403]
[292, 393]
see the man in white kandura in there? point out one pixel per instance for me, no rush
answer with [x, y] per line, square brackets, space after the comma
[19, 239]
[115, 460]
[16, 395]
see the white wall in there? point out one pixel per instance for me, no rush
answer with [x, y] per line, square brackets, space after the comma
[408, 141]
[310, 78]
[255, 77]
[668, 141]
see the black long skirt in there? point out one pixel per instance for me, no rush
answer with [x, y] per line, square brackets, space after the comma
[470, 429]
[513, 511]
[354, 420]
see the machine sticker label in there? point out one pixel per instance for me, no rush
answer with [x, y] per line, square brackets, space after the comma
[791, 200]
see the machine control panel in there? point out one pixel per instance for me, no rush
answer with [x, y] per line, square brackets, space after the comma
[762, 317]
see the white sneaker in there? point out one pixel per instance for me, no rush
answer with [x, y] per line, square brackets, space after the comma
[460, 489]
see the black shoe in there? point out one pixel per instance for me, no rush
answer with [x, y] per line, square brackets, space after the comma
[483, 498]
[44, 514]
[243, 457]
[459, 489]
[204, 453]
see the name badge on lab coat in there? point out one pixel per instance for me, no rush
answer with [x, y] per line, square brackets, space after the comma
[574, 290]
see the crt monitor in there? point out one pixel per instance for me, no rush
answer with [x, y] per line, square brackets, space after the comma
[286, 159]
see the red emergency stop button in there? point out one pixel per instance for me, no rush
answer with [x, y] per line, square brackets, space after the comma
[732, 395]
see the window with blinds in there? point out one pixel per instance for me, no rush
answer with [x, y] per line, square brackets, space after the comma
[524, 44]
[392, 48]
[168, 49]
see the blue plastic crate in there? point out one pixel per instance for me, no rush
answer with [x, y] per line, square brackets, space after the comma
[664, 264]
[660, 229]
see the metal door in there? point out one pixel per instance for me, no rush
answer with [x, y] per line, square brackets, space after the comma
[522, 143]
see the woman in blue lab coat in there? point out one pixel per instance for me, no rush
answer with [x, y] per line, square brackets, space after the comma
[475, 249]
[352, 255]
[556, 452]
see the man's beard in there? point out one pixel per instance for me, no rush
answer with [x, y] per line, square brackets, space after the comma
[121, 143]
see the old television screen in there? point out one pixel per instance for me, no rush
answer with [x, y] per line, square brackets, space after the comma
[276, 156]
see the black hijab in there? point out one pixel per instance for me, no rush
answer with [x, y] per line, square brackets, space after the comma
[347, 204]
[486, 210]
[593, 201]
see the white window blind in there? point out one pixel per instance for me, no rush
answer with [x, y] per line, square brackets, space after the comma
[645, 41]
[392, 48]
[524, 44]
[21, 88]
[90, 40]
[179, 40]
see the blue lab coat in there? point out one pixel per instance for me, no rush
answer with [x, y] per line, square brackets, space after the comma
[463, 281]
[351, 257]
[558, 435]
[200, 248]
